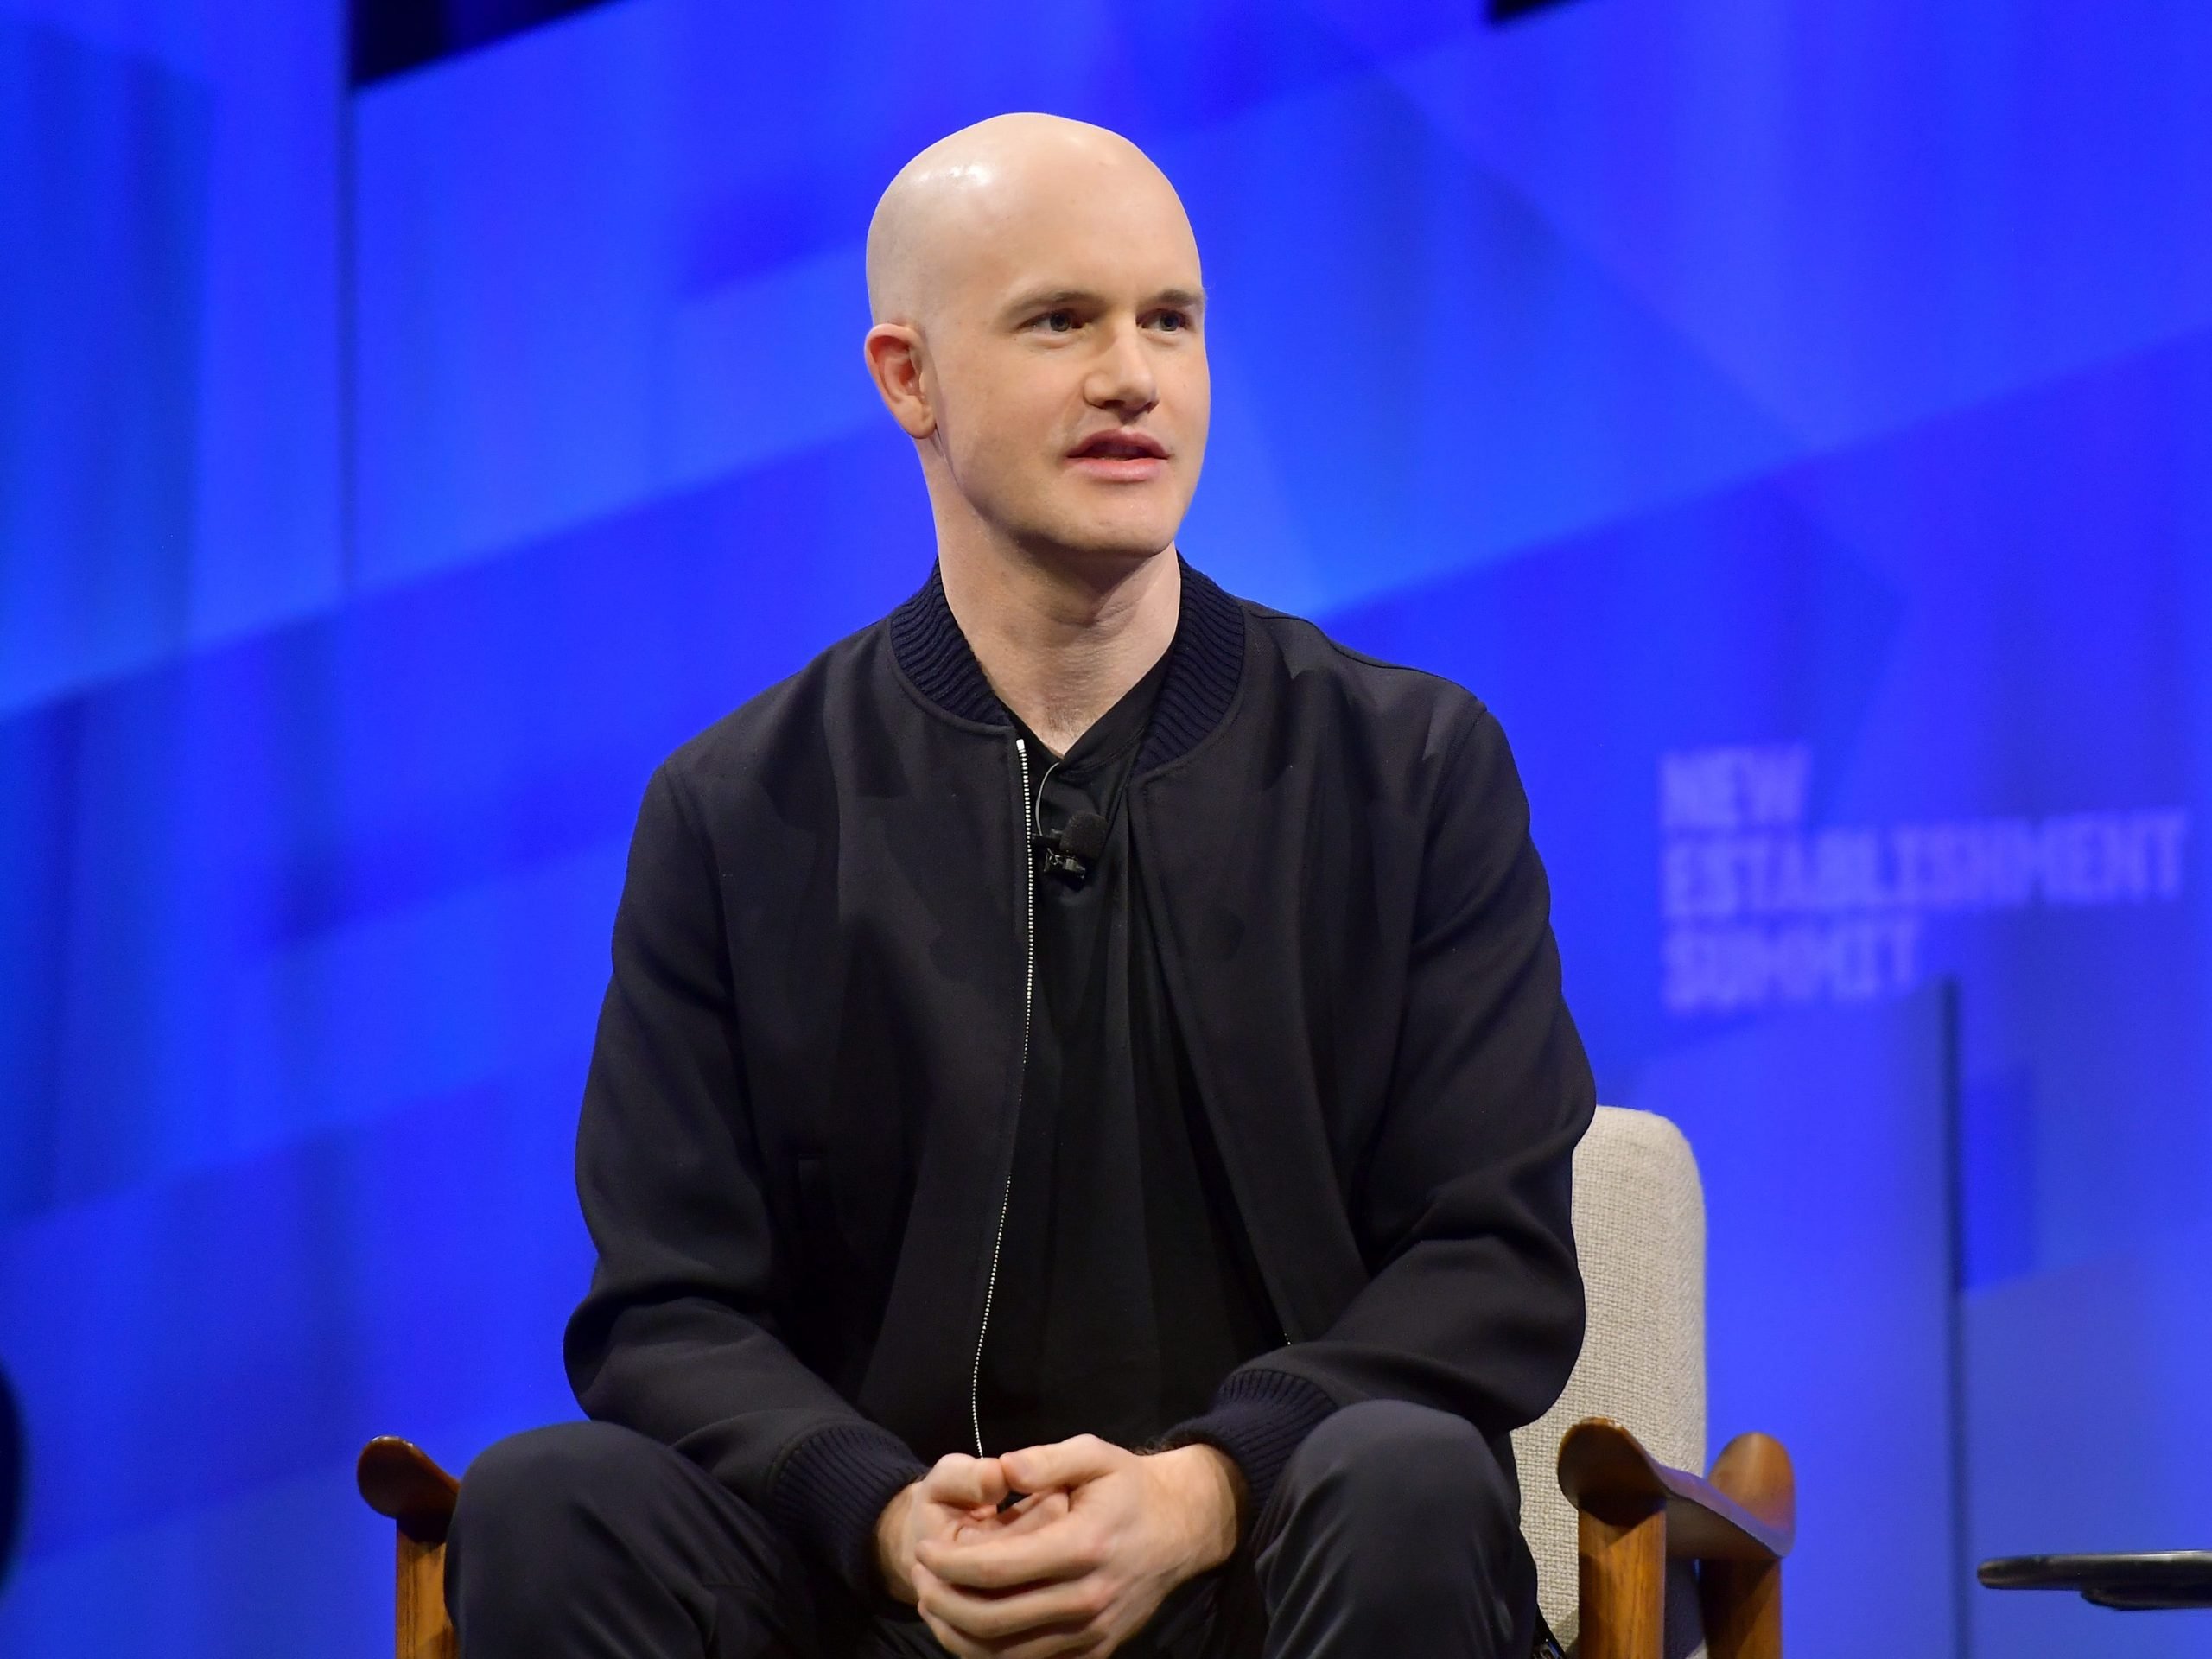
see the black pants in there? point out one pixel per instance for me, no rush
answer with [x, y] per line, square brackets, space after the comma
[1393, 1531]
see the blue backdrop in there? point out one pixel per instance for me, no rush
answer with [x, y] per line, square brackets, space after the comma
[1796, 419]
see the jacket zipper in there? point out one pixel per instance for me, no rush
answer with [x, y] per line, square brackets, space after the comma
[1021, 1077]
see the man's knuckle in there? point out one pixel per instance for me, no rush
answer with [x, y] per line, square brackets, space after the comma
[1093, 1597]
[978, 1623]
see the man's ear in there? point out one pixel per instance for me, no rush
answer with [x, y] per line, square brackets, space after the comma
[895, 361]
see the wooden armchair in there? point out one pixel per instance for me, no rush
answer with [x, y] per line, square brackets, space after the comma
[1615, 1548]
[1636, 1555]
[399, 1480]
[1635, 1515]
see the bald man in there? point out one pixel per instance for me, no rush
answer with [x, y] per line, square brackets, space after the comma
[1079, 1138]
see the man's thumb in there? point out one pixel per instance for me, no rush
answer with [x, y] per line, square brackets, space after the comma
[967, 1481]
[1062, 1464]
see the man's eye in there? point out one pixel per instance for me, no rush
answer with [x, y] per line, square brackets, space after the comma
[1058, 322]
[1172, 322]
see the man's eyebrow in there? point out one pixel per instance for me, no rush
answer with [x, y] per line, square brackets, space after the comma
[1047, 299]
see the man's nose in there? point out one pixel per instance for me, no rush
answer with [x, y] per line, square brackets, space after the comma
[1121, 378]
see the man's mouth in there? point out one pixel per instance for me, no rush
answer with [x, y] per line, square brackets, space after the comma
[1120, 456]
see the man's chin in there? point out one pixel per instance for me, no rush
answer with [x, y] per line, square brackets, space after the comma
[1108, 565]
[1123, 543]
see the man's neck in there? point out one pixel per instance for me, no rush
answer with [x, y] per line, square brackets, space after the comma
[1059, 643]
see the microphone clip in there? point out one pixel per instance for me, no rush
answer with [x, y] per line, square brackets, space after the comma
[1074, 848]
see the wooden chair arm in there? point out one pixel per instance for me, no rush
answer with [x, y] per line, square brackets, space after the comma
[1634, 1514]
[1746, 1512]
[401, 1480]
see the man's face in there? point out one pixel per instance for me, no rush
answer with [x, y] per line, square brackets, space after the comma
[1068, 363]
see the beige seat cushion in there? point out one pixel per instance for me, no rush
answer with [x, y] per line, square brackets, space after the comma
[1639, 1227]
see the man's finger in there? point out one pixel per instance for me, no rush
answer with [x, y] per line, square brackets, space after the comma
[1052, 1641]
[1051, 1618]
[965, 1482]
[1042, 1644]
[984, 1560]
[1063, 1463]
[1038, 1510]
[956, 1643]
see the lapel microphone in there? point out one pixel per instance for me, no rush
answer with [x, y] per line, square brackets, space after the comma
[1076, 848]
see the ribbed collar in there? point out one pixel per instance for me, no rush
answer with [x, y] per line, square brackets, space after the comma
[1204, 659]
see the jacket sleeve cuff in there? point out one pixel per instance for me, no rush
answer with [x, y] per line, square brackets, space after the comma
[830, 1491]
[1259, 1418]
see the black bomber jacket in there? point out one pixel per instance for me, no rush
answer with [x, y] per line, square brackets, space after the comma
[799, 1119]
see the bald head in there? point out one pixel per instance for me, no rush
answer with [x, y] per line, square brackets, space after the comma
[1040, 334]
[976, 195]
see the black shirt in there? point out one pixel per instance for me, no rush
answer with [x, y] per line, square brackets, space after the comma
[1126, 1290]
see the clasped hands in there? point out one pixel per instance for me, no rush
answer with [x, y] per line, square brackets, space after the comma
[1077, 1565]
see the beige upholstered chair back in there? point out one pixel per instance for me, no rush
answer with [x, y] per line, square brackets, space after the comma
[1639, 1226]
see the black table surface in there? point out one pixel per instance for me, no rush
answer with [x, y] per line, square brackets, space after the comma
[2155, 1581]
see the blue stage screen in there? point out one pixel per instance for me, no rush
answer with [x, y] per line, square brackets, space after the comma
[1795, 420]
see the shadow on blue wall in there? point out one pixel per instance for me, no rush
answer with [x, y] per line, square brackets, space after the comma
[12, 1460]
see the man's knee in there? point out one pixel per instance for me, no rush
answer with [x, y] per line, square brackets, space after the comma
[1397, 1528]
[530, 1485]
[1390, 1456]
[590, 1537]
